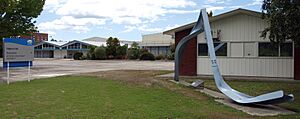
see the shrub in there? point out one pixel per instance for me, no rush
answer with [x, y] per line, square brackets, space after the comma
[1, 50]
[77, 55]
[159, 57]
[133, 53]
[147, 56]
[121, 52]
[91, 54]
[171, 56]
[100, 53]
[143, 50]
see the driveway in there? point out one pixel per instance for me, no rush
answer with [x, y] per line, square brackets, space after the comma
[56, 67]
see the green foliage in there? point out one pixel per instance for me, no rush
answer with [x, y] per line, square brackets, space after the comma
[147, 56]
[112, 44]
[283, 17]
[91, 55]
[172, 47]
[135, 45]
[1, 51]
[133, 53]
[160, 57]
[121, 51]
[143, 50]
[17, 17]
[77, 55]
[171, 56]
[100, 53]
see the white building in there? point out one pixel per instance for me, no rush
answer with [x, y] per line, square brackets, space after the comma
[244, 52]
[157, 44]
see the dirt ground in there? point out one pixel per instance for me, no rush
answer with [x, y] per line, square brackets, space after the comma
[146, 78]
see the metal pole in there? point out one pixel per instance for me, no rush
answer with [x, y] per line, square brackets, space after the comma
[7, 80]
[28, 71]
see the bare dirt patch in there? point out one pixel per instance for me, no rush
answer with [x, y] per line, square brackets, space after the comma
[146, 78]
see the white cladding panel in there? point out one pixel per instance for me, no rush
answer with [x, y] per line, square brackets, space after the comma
[265, 67]
[60, 53]
[157, 38]
[242, 34]
[238, 28]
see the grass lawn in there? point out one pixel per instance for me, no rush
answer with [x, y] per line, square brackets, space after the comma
[125, 94]
[260, 87]
[94, 97]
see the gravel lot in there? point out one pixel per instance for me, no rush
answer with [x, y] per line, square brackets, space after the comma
[56, 67]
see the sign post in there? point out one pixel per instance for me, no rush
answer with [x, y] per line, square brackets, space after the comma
[18, 52]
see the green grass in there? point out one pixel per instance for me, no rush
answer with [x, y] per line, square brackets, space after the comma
[260, 87]
[92, 97]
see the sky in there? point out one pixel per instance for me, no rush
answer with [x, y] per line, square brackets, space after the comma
[126, 19]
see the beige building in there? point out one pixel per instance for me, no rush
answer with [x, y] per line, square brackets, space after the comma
[244, 52]
[157, 44]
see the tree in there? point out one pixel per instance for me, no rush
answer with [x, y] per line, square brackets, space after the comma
[112, 44]
[121, 51]
[134, 51]
[283, 17]
[91, 53]
[17, 17]
[135, 45]
[210, 14]
[100, 53]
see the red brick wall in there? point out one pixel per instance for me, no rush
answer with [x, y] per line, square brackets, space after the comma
[297, 64]
[188, 65]
[37, 36]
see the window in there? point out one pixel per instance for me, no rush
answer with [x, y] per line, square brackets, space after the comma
[268, 50]
[286, 49]
[282, 50]
[203, 50]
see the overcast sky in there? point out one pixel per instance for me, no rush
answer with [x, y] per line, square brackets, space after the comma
[126, 19]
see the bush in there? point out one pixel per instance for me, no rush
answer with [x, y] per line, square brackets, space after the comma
[159, 57]
[1, 51]
[143, 50]
[100, 53]
[171, 56]
[133, 53]
[77, 55]
[147, 56]
[121, 52]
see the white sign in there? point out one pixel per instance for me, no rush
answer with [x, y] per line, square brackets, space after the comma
[17, 50]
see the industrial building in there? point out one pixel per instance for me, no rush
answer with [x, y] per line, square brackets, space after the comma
[243, 53]
[59, 49]
[157, 44]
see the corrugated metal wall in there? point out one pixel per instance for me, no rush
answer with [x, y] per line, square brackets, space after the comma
[237, 31]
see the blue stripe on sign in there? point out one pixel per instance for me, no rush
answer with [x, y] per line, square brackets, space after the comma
[17, 64]
[20, 41]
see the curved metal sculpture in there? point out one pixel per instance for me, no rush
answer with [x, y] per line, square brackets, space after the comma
[202, 25]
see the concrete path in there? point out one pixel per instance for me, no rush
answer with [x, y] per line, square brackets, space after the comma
[56, 67]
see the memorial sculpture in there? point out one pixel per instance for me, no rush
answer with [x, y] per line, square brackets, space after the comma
[202, 25]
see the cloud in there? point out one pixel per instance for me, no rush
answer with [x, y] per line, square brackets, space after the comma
[213, 8]
[79, 15]
[119, 11]
[78, 25]
[255, 2]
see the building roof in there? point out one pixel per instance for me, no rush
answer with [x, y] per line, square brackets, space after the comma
[215, 18]
[96, 39]
[52, 43]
